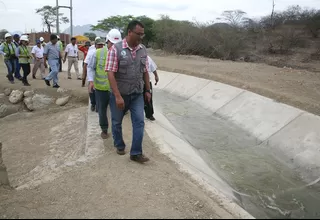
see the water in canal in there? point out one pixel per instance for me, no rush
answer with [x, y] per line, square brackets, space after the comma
[265, 186]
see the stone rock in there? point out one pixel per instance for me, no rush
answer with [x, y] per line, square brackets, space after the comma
[6, 110]
[7, 91]
[29, 103]
[62, 90]
[62, 101]
[28, 93]
[41, 101]
[16, 96]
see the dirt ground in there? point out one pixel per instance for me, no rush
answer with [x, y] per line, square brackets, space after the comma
[49, 180]
[299, 88]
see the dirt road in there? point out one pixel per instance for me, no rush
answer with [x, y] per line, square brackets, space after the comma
[298, 88]
[42, 152]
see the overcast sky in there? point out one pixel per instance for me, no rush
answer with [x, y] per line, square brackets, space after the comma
[19, 15]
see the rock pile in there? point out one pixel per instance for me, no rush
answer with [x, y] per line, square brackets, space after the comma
[12, 101]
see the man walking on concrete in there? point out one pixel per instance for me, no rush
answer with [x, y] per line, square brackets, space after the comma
[72, 52]
[148, 106]
[98, 43]
[127, 67]
[52, 54]
[98, 79]
[37, 53]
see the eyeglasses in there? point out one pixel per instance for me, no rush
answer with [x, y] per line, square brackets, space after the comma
[141, 35]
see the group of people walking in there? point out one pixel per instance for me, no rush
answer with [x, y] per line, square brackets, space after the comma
[118, 72]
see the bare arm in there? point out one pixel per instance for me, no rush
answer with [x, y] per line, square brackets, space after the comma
[146, 80]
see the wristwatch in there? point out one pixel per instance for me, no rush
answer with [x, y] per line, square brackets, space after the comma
[148, 91]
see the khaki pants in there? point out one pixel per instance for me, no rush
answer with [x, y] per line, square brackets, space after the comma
[73, 61]
[37, 64]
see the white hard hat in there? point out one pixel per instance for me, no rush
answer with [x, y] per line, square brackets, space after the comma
[97, 38]
[114, 36]
[7, 35]
[58, 37]
[24, 38]
[41, 39]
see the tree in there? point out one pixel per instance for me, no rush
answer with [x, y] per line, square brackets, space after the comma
[234, 18]
[148, 29]
[49, 16]
[2, 33]
[90, 35]
[119, 22]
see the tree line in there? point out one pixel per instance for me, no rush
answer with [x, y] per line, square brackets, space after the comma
[231, 36]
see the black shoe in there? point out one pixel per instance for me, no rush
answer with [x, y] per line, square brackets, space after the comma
[56, 86]
[69, 77]
[139, 158]
[47, 82]
[93, 108]
[34, 77]
[151, 118]
[26, 84]
[121, 152]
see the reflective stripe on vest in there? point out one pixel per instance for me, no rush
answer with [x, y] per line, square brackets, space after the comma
[101, 81]
[25, 52]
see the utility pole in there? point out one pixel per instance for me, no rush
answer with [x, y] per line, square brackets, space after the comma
[71, 22]
[71, 19]
[57, 8]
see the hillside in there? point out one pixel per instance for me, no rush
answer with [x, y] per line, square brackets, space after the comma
[81, 29]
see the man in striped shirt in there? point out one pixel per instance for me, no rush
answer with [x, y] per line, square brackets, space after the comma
[127, 67]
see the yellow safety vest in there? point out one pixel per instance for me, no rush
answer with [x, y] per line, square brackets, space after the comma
[101, 81]
[25, 52]
[9, 49]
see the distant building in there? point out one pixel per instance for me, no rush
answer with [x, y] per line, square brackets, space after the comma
[65, 38]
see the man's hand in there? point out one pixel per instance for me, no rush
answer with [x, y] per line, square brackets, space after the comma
[90, 87]
[64, 60]
[45, 65]
[120, 103]
[147, 96]
[157, 79]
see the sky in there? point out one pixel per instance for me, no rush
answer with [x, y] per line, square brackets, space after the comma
[19, 15]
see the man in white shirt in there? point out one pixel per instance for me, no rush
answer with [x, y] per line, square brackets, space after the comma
[148, 106]
[91, 52]
[73, 57]
[37, 53]
[94, 45]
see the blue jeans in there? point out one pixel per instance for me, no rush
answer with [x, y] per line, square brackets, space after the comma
[17, 69]
[53, 75]
[135, 104]
[11, 66]
[103, 98]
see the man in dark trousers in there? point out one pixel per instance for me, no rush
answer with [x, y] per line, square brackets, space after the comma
[127, 67]
[148, 106]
